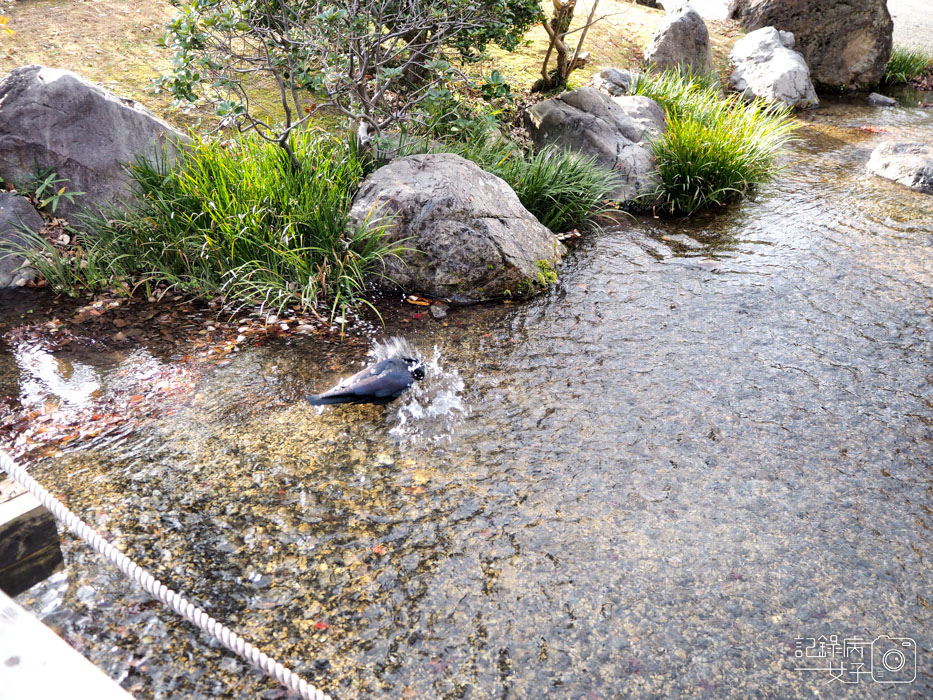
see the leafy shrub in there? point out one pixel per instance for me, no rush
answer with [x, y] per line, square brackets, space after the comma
[45, 188]
[716, 148]
[373, 61]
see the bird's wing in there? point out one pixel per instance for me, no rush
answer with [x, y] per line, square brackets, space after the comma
[385, 378]
[390, 381]
[362, 375]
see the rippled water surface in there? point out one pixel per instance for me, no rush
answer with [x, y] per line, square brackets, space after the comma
[711, 439]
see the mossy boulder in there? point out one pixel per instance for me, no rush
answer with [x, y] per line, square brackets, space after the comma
[467, 236]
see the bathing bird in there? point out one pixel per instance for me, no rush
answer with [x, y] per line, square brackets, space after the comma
[398, 365]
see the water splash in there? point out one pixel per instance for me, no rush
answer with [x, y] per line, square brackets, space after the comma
[433, 408]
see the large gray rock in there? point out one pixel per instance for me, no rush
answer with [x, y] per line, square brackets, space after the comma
[910, 164]
[681, 40]
[468, 235]
[765, 65]
[15, 213]
[845, 43]
[616, 130]
[58, 120]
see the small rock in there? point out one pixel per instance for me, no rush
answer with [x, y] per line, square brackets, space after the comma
[15, 212]
[613, 81]
[879, 100]
[439, 311]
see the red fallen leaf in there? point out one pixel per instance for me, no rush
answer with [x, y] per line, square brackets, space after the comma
[321, 625]
[136, 398]
[417, 315]
[379, 549]
[872, 129]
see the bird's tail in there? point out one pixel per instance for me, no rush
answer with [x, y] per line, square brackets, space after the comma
[330, 399]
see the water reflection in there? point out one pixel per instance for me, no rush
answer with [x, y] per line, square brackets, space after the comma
[44, 376]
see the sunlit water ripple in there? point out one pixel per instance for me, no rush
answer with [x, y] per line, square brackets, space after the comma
[710, 439]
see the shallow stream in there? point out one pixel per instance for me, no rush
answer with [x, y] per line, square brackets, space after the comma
[707, 446]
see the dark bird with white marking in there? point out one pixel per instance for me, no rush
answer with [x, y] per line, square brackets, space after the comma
[398, 365]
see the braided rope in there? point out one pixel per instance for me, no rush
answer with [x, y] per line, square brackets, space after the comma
[160, 591]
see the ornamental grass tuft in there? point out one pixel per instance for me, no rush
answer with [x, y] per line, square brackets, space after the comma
[716, 149]
[233, 218]
[906, 64]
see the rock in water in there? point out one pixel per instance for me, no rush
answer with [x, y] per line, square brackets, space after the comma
[466, 234]
[58, 120]
[909, 164]
[878, 100]
[765, 65]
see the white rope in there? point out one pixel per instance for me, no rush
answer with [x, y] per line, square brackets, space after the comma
[156, 588]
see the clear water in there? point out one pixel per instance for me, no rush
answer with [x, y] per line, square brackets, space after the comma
[713, 438]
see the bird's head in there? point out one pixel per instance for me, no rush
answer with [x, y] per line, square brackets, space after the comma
[415, 367]
[400, 348]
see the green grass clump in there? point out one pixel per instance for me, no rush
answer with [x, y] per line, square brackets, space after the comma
[906, 64]
[236, 219]
[563, 190]
[716, 149]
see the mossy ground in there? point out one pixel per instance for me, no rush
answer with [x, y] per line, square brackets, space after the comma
[116, 44]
